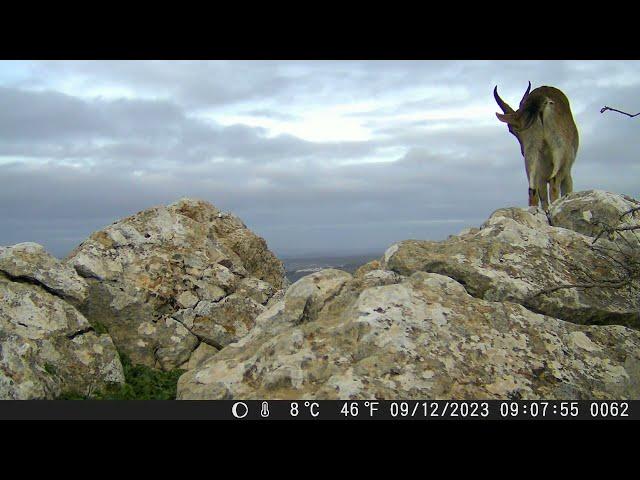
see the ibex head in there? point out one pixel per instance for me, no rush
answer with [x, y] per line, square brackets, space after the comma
[513, 119]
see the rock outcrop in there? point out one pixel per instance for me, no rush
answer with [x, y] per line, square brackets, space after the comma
[527, 306]
[29, 262]
[586, 212]
[47, 347]
[424, 337]
[458, 319]
[516, 256]
[168, 278]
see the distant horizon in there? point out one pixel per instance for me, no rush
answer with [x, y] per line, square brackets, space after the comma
[300, 253]
[330, 255]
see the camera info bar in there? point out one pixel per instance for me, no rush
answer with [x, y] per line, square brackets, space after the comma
[317, 410]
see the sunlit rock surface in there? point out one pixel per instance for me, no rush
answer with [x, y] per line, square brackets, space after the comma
[47, 347]
[517, 254]
[423, 337]
[168, 278]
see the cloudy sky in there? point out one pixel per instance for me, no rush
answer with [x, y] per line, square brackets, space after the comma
[336, 157]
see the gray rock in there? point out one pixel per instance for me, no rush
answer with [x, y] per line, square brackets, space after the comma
[422, 338]
[585, 212]
[224, 322]
[47, 347]
[515, 255]
[199, 355]
[146, 271]
[30, 262]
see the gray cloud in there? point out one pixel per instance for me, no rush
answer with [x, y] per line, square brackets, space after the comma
[51, 124]
[193, 83]
[74, 162]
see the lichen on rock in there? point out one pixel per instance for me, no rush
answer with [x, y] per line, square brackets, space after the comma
[457, 319]
[30, 262]
[516, 255]
[424, 337]
[47, 346]
[175, 264]
[189, 287]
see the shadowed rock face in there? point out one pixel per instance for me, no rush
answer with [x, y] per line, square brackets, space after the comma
[167, 278]
[456, 319]
[47, 347]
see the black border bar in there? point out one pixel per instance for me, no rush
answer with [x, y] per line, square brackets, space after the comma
[266, 410]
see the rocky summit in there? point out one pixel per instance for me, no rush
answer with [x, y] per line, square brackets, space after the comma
[167, 279]
[529, 305]
[510, 310]
[519, 254]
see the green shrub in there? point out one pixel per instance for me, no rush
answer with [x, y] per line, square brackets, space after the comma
[99, 327]
[50, 369]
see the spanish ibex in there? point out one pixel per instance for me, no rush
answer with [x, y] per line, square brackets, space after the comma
[544, 126]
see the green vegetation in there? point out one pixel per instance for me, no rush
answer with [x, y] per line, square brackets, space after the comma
[141, 383]
[50, 369]
[99, 327]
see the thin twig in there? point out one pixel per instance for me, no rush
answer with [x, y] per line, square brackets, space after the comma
[604, 109]
[607, 229]
[628, 261]
[626, 229]
[632, 211]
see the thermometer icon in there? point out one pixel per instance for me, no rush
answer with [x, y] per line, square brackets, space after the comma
[265, 409]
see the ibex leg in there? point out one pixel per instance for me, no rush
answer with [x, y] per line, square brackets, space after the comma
[532, 166]
[555, 188]
[543, 193]
[566, 187]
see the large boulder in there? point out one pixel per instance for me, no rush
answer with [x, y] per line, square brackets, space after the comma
[586, 212]
[517, 256]
[168, 278]
[421, 336]
[47, 347]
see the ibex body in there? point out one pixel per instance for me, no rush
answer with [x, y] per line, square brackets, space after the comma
[548, 137]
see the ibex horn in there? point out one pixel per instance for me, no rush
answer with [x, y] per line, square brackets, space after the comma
[501, 103]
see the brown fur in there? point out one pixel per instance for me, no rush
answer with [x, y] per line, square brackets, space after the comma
[548, 137]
